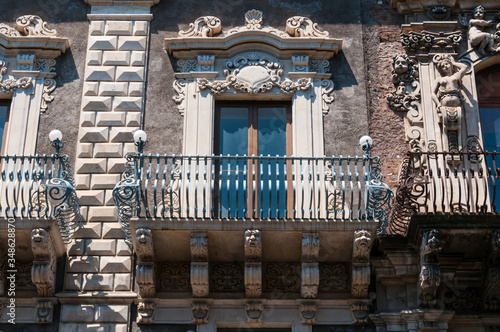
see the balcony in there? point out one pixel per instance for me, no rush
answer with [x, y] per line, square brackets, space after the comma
[442, 182]
[258, 188]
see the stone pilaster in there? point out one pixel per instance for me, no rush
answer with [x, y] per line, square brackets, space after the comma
[112, 104]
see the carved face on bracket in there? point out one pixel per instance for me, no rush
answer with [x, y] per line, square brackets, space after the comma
[401, 64]
[38, 236]
[433, 239]
[479, 12]
[252, 238]
[143, 237]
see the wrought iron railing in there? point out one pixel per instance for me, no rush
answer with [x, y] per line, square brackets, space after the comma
[258, 187]
[444, 182]
[39, 187]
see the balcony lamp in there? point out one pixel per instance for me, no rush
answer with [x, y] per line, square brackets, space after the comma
[366, 143]
[55, 137]
[140, 138]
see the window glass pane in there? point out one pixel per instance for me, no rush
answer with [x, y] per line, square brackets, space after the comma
[490, 123]
[272, 131]
[233, 131]
[3, 119]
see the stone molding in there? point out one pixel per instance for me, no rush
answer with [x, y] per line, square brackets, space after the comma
[253, 263]
[44, 263]
[491, 297]
[362, 245]
[145, 274]
[310, 265]
[199, 264]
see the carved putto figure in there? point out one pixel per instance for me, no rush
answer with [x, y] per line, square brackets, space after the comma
[407, 87]
[446, 91]
[480, 35]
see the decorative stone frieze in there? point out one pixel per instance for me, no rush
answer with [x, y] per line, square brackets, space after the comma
[253, 21]
[319, 66]
[253, 263]
[282, 277]
[333, 277]
[199, 264]
[44, 263]
[447, 96]
[430, 272]
[145, 274]
[227, 277]
[428, 42]
[205, 26]
[310, 266]
[491, 293]
[362, 246]
[406, 95]
[308, 312]
[254, 74]
[174, 276]
[300, 26]
[200, 311]
[300, 63]
[254, 311]
[10, 84]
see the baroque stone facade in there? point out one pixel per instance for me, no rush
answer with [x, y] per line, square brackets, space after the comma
[210, 175]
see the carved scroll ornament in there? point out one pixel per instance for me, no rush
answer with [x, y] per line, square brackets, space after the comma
[300, 26]
[254, 74]
[28, 25]
[205, 26]
[9, 85]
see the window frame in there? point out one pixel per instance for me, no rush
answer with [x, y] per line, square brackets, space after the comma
[8, 103]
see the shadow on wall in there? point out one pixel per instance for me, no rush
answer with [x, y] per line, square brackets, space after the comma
[53, 11]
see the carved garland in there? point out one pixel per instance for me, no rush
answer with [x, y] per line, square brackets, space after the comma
[253, 74]
[9, 85]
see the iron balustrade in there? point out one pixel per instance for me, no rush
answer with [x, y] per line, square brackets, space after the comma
[39, 187]
[256, 187]
[445, 182]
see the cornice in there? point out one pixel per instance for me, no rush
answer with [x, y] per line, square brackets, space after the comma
[41, 46]
[121, 2]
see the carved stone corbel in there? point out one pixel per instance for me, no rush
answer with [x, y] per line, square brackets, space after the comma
[430, 272]
[44, 311]
[310, 266]
[200, 311]
[145, 274]
[43, 270]
[359, 312]
[253, 263]
[146, 312]
[361, 264]
[308, 312]
[254, 312]
[492, 290]
[206, 62]
[300, 63]
[199, 264]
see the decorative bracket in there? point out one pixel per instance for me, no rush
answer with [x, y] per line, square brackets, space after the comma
[430, 272]
[146, 312]
[43, 270]
[254, 311]
[359, 312]
[308, 312]
[310, 265]
[205, 26]
[199, 264]
[253, 263]
[200, 311]
[145, 274]
[362, 246]
[44, 311]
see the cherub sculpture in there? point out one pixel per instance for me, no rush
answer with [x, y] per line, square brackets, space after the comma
[480, 35]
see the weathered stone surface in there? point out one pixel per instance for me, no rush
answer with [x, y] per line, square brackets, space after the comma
[133, 119]
[122, 248]
[140, 28]
[82, 181]
[87, 119]
[73, 281]
[93, 135]
[122, 282]
[96, 28]
[116, 58]
[132, 74]
[100, 73]
[118, 28]
[135, 88]
[96, 103]
[103, 43]
[94, 58]
[98, 282]
[105, 181]
[113, 89]
[106, 150]
[111, 118]
[83, 264]
[112, 231]
[138, 58]
[88, 231]
[77, 248]
[111, 313]
[102, 213]
[90, 197]
[131, 43]
[77, 313]
[122, 134]
[90, 166]
[127, 104]
[100, 247]
[116, 264]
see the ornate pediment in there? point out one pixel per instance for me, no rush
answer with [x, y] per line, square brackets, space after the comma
[253, 74]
